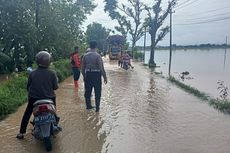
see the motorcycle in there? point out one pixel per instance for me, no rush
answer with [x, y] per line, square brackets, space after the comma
[45, 122]
[125, 65]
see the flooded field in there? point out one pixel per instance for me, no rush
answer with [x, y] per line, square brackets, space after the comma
[205, 67]
[140, 113]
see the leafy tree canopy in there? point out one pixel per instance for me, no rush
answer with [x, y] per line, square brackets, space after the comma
[27, 26]
[96, 31]
[128, 17]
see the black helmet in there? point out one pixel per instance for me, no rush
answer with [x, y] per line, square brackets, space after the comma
[43, 59]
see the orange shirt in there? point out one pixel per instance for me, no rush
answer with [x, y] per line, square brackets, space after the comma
[77, 60]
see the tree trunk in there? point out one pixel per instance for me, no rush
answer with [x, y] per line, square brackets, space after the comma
[133, 45]
[151, 60]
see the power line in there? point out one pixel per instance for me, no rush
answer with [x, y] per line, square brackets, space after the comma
[182, 3]
[186, 4]
[207, 21]
[208, 11]
[210, 16]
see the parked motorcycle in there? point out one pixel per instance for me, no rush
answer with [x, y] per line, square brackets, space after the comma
[45, 122]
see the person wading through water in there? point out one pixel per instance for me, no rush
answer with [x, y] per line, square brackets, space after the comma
[92, 70]
[76, 63]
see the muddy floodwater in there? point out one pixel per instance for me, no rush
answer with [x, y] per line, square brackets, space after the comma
[140, 113]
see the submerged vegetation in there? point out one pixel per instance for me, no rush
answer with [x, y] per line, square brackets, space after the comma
[222, 104]
[189, 89]
[223, 90]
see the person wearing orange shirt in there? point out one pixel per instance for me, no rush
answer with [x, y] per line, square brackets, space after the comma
[76, 64]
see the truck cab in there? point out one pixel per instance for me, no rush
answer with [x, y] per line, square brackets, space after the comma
[115, 45]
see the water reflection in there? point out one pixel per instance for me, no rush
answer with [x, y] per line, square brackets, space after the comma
[225, 54]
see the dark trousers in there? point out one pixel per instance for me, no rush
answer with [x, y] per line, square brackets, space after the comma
[28, 112]
[76, 73]
[120, 63]
[93, 80]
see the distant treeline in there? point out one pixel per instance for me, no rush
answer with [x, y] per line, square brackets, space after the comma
[174, 46]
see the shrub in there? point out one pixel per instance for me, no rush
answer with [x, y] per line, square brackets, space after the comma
[5, 65]
[62, 68]
[138, 55]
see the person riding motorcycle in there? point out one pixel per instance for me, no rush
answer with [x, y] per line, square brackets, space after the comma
[41, 85]
[126, 61]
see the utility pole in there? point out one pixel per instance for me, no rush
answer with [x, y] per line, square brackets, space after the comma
[144, 44]
[36, 3]
[225, 52]
[170, 50]
[36, 6]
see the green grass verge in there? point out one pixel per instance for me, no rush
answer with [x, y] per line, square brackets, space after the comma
[13, 92]
[222, 105]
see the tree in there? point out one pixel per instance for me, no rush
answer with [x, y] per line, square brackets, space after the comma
[96, 31]
[17, 31]
[154, 21]
[4, 63]
[59, 24]
[26, 28]
[128, 18]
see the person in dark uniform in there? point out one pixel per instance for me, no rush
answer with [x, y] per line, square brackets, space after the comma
[41, 85]
[92, 70]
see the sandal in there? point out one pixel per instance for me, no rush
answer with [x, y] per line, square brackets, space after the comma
[20, 136]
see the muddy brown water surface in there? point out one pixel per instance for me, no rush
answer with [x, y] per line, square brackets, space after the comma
[140, 113]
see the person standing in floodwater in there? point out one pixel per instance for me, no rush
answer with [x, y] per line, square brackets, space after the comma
[76, 63]
[119, 58]
[92, 70]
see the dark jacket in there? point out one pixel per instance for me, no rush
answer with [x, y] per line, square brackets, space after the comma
[41, 83]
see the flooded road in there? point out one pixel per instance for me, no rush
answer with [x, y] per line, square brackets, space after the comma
[140, 113]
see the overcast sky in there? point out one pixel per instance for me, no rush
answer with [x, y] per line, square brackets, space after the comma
[194, 21]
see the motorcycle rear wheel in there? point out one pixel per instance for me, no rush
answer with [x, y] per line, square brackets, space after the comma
[48, 143]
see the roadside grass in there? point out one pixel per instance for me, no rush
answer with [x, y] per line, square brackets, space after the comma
[13, 92]
[219, 104]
